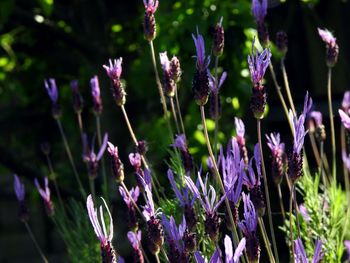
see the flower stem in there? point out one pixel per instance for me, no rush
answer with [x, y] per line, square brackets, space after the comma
[345, 170]
[35, 242]
[70, 157]
[331, 120]
[132, 200]
[286, 84]
[174, 114]
[179, 112]
[266, 240]
[104, 176]
[217, 174]
[291, 222]
[258, 122]
[92, 188]
[216, 101]
[280, 197]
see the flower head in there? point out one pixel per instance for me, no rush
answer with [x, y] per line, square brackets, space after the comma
[96, 95]
[240, 128]
[298, 131]
[135, 160]
[202, 61]
[231, 257]
[174, 234]
[89, 155]
[100, 225]
[258, 63]
[275, 144]
[164, 61]
[180, 142]
[327, 37]
[182, 194]
[215, 258]
[149, 210]
[135, 239]
[77, 98]
[253, 179]
[316, 116]
[45, 193]
[300, 254]
[346, 101]
[151, 5]
[52, 90]
[19, 188]
[215, 84]
[259, 10]
[114, 70]
[117, 165]
[332, 46]
[134, 194]
[345, 119]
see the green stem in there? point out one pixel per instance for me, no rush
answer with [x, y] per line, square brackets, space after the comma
[330, 107]
[266, 240]
[104, 175]
[179, 112]
[286, 84]
[70, 157]
[92, 188]
[174, 115]
[258, 122]
[291, 222]
[216, 100]
[280, 197]
[35, 242]
[217, 174]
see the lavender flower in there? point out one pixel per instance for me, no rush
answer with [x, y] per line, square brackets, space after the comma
[278, 156]
[174, 239]
[175, 69]
[132, 217]
[282, 42]
[77, 98]
[316, 118]
[135, 239]
[169, 85]
[52, 91]
[107, 250]
[258, 64]
[46, 195]
[332, 46]
[135, 161]
[182, 195]
[117, 165]
[345, 119]
[96, 95]
[240, 137]
[187, 160]
[215, 100]
[20, 194]
[259, 11]
[300, 254]
[149, 25]
[346, 101]
[200, 83]
[114, 71]
[90, 157]
[154, 227]
[253, 182]
[304, 213]
[215, 258]
[219, 39]
[231, 257]
[249, 229]
[209, 204]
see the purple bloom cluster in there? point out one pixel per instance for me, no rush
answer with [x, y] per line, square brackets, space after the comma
[258, 64]
[332, 46]
[278, 156]
[300, 254]
[114, 71]
[96, 95]
[52, 91]
[18, 186]
[45, 193]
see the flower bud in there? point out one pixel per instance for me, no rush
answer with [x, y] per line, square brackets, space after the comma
[282, 42]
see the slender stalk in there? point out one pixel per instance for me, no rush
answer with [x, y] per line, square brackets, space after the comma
[258, 122]
[266, 240]
[291, 223]
[70, 157]
[330, 107]
[286, 84]
[164, 254]
[280, 197]
[133, 136]
[321, 170]
[80, 123]
[144, 253]
[132, 200]
[104, 176]
[174, 114]
[296, 209]
[157, 258]
[35, 242]
[216, 101]
[279, 93]
[92, 188]
[343, 149]
[217, 174]
[179, 112]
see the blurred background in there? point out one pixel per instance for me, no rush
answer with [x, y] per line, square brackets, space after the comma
[72, 39]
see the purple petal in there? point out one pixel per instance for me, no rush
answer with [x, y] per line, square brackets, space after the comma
[103, 147]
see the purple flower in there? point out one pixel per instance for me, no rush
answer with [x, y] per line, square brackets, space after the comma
[90, 157]
[202, 61]
[259, 10]
[307, 104]
[135, 239]
[240, 128]
[252, 180]
[114, 70]
[96, 95]
[174, 236]
[45, 193]
[304, 213]
[275, 145]
[164, 61]
[346, 101]
[345, 119]
[347, 247]
[317, 117]
[214, 84]
[278, 156]
[52, 91]
[149, 211]
[180, 142]
[215, 258]
[327, 37]
[134, 193]
[182, 193]
[258, 63]
[151, 5]
[208, 198]
[77, 99]
[19, 188]
[298, 131]
[135, 160]
[300, 254]
[100, 232]
[231, 257]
